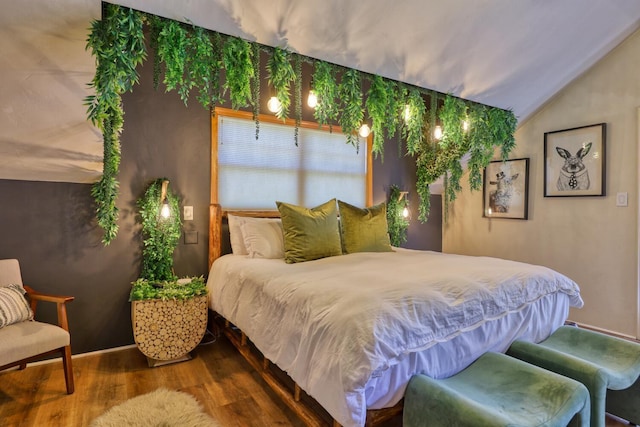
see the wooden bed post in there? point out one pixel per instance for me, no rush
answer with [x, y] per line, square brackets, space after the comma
[215, 232]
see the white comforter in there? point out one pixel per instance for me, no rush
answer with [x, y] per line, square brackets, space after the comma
[332, 324]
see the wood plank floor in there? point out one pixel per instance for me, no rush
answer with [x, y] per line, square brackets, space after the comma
[217, 376]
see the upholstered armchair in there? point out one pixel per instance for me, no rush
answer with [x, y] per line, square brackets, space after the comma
[22, 339]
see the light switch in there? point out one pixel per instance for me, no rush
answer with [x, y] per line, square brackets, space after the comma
[622, 199]
[188, 213]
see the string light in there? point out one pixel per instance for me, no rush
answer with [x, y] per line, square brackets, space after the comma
[465, 125]
[274, 104]
[407, 113]
[312, 99]
[437, 133]
[365, 130]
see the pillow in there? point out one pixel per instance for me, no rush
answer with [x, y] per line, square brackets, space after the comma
[364, 230]
[263, 239]
[14, 308]
[310, 233]
[235, 234]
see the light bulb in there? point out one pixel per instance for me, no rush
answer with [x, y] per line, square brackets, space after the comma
[165, 212]
[405, 212]
[312, 99]
[274, 104]
[407, 113]
[365, 130]
[465, 125]
[437, 133]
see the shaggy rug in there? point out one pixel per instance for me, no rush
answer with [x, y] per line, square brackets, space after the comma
[160, 408]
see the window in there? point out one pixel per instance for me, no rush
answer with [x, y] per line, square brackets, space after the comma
[252, 174]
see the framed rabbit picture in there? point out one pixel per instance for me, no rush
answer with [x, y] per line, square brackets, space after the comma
[574, 161]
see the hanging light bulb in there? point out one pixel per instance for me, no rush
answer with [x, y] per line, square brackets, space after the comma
[365, 130]
[165, 211]
[465, 125]
[437, 133]
[312, 99]
[407, 113]
[274, 104]
[405, 212]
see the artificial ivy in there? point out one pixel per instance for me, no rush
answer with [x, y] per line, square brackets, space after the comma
[378, 98]
[281, 74]
[325, 87]
[160, 234]
[143, 289]
[193, 58]
[117, 42]
[238, 64]
[397, 224]
[350, 92]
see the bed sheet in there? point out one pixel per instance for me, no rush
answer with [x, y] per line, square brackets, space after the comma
[352, 329]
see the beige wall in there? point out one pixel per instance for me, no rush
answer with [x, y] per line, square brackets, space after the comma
[588, 239]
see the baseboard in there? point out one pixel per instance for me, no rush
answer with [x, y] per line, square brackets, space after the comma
[606, 331]
[80, 355]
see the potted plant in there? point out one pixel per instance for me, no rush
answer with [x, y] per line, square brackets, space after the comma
[168, 315]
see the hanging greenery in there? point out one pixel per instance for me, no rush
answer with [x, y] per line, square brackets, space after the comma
[414, 121]
[238, 65]
[397, 223]
[378, 98]
[281, 74]
[256, 88]
[160, 234]
[117, 42]
[352, 112]
[325, 87]
[192, 59]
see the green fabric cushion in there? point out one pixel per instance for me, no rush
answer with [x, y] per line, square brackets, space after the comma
[310, 233]
[364, 230]
[496, 390]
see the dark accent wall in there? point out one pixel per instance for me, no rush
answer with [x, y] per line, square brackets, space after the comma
[50, 227]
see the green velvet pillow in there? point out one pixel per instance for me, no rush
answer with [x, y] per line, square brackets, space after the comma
[364, 230]
[310, 233]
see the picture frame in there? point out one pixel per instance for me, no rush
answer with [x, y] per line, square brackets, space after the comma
[575, 161]
[505, 189]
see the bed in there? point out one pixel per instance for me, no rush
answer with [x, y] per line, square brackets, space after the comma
[351, 330]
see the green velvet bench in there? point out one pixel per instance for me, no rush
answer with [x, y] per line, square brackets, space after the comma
[496, 390]
[601, 362]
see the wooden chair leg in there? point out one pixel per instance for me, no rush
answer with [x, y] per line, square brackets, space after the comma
[68, 370]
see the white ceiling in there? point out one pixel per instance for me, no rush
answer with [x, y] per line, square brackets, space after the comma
[512, 54]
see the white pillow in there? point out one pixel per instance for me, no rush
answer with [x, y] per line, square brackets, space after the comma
[235, 234]
[264, 238]
[14, 307]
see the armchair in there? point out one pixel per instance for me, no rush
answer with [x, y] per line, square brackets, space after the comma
[29, 340]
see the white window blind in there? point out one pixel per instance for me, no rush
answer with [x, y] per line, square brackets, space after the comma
[253, 174]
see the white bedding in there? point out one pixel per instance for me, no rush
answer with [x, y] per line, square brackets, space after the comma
[352, 329]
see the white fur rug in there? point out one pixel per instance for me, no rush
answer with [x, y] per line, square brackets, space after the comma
[160, 408]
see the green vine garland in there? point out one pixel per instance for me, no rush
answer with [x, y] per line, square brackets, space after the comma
[397, 224]
[117, 42]
[160, 234]
[350, 92]
[281, 74]
[192, 58]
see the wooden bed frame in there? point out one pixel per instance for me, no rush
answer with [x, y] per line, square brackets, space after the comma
[291, 394]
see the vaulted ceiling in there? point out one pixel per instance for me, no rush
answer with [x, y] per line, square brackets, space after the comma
[503, 53]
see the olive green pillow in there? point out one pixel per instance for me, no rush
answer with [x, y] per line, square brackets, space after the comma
[310, 233]
[364, 230]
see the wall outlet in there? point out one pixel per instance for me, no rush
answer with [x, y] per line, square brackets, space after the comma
[190, 237]
[188, 213]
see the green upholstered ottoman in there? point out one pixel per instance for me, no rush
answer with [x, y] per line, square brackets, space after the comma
[496, 390]
[598, 361]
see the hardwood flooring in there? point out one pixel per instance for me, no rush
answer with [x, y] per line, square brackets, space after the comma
[217, 376]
